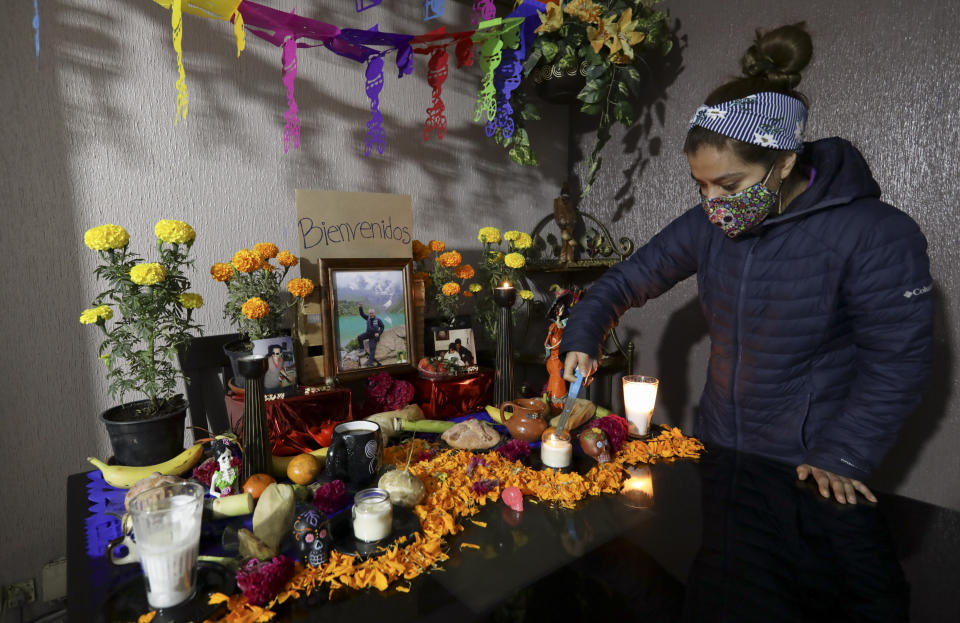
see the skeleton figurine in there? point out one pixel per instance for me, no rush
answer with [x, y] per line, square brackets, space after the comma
[312, 532]
[594, 443]
[565, 216]
[225, 479]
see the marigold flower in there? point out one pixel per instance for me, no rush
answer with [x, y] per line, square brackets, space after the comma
[268, 267]
[451, 288]
[523, 241]
[255, 308]
[148, 273]
[526, 295]
[247, 261]
[497, 257]
[174, 232]
[489, 234]
[420, 251]
[437, 246]
[514, 260]
[465, 272]
[106, 237]
[287, 259]
[191, 300]
[511, 235]
[467, 293]
[450, 259]
[96, 314]
[475, 287]
[221, 272]
[301, 287]
[266, 250]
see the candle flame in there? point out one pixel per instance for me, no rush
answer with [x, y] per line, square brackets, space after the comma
[506, 284]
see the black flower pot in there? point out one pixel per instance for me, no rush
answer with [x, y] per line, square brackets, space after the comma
[557, 86]
[138, 440]
[234, 351]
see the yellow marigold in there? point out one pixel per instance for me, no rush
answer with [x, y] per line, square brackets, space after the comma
[174, 232]
[420, 251]
[511, 235]
[96, 314]
[450, 288]
[523, 241]
[221, 271]
[301, 287]
[514, 260]
[475, 287]
[497, 257]
[268, 267]
[287, 259]
[526, 295]
[465, 272]
[450, 259]
[191, 300]
[106, 237]
[489, 234]
[148, 273]
[247, 261]
[266, 250]
[437, 246]
[255, 308]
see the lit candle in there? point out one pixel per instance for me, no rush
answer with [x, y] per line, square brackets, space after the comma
[639, 398]
[505, 295]
[556, 450]
[638, 487]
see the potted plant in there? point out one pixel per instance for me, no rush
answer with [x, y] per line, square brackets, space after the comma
[257, 306]
[145, 315]
[594, 52]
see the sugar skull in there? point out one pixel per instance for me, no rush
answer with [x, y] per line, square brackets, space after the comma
[594, 443]
[312, 532]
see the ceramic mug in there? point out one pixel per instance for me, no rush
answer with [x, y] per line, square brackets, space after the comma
[355, 453]
[125, 539]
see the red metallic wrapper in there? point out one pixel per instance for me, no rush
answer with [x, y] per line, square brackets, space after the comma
[299, 423]
[445, 399]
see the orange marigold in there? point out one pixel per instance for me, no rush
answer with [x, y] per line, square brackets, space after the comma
[266, 250]
[420, 251]
[246, 261]
[437, 246]
[450, 288]
[268, 267]
[465, 272]
[255, 308]
[221, 271]
[287, 259]
[450, 259]
[467, 293]
[301, 287]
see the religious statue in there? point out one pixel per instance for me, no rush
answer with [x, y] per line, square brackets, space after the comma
[558, 313]
[565, 215]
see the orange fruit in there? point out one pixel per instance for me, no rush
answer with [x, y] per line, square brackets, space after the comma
[303, 469]
[256, 483]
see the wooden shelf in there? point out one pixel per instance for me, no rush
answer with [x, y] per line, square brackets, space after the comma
[552, 266]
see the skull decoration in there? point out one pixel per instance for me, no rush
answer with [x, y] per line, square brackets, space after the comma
[594, 443]
[312, 532]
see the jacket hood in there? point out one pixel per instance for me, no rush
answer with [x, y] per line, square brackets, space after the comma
[842, 176]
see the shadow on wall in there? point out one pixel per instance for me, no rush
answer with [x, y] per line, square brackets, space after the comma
[639, 144]
[684, 330]
[925, 420]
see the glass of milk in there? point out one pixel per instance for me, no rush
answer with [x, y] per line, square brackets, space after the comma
[372, 515]
[639, 398]
[166, 527]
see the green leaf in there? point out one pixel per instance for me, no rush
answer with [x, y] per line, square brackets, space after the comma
[549, 49]
[591, 109]
[530, 113]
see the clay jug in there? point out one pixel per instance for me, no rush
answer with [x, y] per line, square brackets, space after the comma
[528, 420]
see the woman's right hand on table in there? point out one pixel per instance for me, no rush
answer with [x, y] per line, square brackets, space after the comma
[580, 360]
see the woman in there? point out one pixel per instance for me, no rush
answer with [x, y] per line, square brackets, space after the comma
[817, 294]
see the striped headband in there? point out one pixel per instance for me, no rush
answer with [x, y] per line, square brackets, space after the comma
[768, 119]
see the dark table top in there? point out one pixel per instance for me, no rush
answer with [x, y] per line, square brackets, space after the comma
[729, 538]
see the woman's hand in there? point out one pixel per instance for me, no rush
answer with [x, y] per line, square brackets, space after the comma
[576, 360]
[844, 489]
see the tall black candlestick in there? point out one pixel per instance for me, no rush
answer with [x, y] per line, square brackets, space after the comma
[256, 441]
[505, 296]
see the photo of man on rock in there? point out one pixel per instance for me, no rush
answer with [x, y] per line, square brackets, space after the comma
[372, 335]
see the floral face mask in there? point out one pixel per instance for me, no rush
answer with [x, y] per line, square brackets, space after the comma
[744, 210]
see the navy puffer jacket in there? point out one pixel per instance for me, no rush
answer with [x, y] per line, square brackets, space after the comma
[820, 319]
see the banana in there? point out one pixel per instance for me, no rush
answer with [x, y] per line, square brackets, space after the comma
[124, 476]
[278, 464]
[494, 414]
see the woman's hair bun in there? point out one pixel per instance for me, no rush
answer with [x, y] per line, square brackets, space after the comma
[779, 56]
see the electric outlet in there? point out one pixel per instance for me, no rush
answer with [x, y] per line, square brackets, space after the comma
[19, 594]
[53, 580]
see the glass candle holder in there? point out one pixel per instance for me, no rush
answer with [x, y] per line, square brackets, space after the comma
[372, 515]
[639, 399]
[556, 450]
[505, 296]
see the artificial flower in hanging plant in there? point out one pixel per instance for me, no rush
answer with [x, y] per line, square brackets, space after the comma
[145, 314]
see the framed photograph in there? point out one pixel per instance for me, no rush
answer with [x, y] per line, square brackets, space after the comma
[281, 376]
[367, 316]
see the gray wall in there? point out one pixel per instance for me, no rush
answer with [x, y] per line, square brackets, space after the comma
[88, 138]
[884, 75]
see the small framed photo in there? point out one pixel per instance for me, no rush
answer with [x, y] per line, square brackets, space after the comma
[367, 316]
[452, 341]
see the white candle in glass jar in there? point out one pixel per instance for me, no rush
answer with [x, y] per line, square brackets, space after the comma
[372, 515]
[556, 451]
[639, 398]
